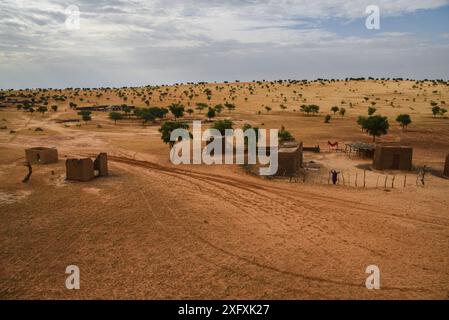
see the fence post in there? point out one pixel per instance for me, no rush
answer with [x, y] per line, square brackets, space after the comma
[364, 178]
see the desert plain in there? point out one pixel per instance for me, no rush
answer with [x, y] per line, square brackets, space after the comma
[153, 230]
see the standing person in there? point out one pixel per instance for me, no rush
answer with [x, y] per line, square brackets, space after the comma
[334, 176]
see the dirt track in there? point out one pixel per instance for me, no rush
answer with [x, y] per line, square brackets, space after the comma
[153, 231]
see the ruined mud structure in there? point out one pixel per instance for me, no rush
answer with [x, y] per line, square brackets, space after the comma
[41, 155]
[393, 158]
[446, 167]
[86, 169]
[290, 158]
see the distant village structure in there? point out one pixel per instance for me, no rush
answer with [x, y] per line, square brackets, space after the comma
[86, 169]
[41, 155]
[290, 158]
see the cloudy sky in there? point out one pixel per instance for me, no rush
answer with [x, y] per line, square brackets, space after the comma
[141, 42]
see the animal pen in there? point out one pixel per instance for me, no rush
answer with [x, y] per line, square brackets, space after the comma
[360, 149]
[41, 155]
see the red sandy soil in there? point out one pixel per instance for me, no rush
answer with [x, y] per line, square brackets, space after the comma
[152, 230]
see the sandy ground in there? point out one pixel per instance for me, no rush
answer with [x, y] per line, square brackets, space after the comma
[152, 230]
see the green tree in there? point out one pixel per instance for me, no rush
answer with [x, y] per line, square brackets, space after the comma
[371, 111]
[190, 111]
[85, 115]
[115, 116]
[404, 120]
[442, 111]
[376, 126]
[285, 136]
[200, 106]
[268, 109]
[335, 109]
[54, 108]
[327, 118]
[230, 106]
[222, 125]
[218, 108]
[168, 127]
[436, 110]
[342, 112]
[177, 110]
[211, 113]
[127, 110]
[314, 108]
[42, 110]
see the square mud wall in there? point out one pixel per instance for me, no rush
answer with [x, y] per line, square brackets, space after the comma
[393, 158]
[290, 157]
[80, 169]
[41, 155]
[446, 167]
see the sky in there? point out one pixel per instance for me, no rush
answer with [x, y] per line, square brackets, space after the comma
[88, 43]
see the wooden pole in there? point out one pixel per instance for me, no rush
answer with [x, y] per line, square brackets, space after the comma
[377, 183]
[405, 181]
[364, 178]
[356, 177]
[343, 176]
[385, 184]
[392, 182]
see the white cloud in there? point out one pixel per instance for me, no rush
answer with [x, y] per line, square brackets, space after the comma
[143, 36]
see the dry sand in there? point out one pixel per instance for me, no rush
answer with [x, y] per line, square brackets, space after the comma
[157, 231]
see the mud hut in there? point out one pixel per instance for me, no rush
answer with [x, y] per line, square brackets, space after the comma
[393, 158]
[85, 169]
[41, 155]
[290, 158]
[446, 167]
[80, 169]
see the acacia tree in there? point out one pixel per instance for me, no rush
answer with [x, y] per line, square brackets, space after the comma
[115, 116]
[222, 125]
[200, 106]
[177, 110]
[436, 110]
[168, 127]
[342, 112]
[335, 109]
[85, 115]
[285, 136]
[375, 126]
[230, 106]
[371, 111]
[42, 110]
[211, 113]
[404, 120]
